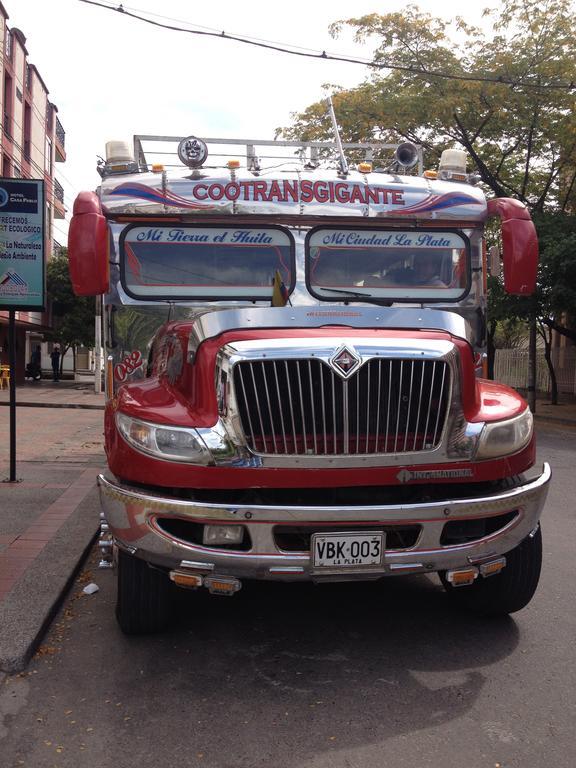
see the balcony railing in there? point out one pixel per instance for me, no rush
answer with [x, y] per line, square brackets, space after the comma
[8, 46]
[8, 124]
[60, 134]
[58, 191]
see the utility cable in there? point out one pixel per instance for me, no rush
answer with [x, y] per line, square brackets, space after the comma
[294, 51]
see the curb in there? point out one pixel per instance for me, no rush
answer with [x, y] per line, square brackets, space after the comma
[85, 406]
[556, 420]
[18, 662]
[39, 567]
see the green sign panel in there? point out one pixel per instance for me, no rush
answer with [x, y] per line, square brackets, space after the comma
[22, 282]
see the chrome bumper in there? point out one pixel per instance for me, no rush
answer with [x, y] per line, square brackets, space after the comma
[132, 515]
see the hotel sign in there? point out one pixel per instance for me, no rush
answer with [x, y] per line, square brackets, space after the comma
[22, 275]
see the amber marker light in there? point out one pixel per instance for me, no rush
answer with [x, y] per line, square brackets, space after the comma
[491, 569]
[218, 585]
[232, 164]
[189, 580]
[463, 577]
[430, 174]
[365, 167]
[157, 168]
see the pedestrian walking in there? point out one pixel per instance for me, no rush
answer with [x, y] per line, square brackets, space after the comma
[55, 358]
[34, 367]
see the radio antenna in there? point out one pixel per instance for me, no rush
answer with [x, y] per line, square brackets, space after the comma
[343, 162]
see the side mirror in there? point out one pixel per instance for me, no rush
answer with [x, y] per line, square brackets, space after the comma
[519, 245]
[494, 261]
[88, 247]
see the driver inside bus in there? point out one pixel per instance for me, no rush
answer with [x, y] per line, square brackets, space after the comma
[427, 268]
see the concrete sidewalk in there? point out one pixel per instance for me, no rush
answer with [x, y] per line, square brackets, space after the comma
[49, 517]
[50, 394]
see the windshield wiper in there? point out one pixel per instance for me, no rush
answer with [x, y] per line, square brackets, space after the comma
[370, 298]
[349, 293]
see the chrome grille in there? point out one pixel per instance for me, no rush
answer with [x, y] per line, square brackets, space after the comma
[291, 407]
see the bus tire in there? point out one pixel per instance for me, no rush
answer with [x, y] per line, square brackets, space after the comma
[510, 590]
[144, 598]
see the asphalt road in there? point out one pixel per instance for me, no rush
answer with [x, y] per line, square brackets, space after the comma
[345, 676]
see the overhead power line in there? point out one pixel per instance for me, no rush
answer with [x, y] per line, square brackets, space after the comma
[296, 51]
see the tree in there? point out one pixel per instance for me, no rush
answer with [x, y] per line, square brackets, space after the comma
[520, 132]
[520, 137]
[72, 316]
[555, 296]
[507, 318]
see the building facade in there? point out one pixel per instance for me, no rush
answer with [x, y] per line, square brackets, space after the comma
[32, 141]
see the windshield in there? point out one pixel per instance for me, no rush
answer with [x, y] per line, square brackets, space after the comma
[411, 265]
[208, 262]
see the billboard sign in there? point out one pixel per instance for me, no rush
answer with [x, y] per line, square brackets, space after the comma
[22, 278]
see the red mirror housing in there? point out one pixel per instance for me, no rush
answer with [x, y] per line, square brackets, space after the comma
[88, 247]
[519, 245]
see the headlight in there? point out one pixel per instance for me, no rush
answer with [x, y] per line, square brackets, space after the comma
[171, 443]
[505, 437]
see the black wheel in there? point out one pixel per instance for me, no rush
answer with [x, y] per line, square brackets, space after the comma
[509, 591]
[145, 597]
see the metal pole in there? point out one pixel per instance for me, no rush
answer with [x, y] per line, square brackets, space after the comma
[98, 347]
[343, 161]
[12, 342]
[532, 366]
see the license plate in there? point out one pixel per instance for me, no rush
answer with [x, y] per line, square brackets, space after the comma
[347, 551]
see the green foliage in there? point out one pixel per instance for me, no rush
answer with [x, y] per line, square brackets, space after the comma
[72, 316]
[556, 294]
[521, 137]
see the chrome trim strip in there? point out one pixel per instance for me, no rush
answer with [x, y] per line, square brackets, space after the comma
[213, 323]
[439, 409]
[280, 406]
[441, 510]
[313, 406]
[270, 413]
[132, 515]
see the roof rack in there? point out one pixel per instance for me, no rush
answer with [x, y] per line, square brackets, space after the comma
[149, 149]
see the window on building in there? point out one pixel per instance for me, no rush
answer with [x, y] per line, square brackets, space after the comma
[8, 99]
[48, 156]
[49, 118]
[28, 78]
[48, 222]
[27, 131]
[6, 166]
[8, 48]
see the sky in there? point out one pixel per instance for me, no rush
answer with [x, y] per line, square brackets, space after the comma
[112, 76]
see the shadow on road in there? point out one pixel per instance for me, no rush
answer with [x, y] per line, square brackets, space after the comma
[283, 673]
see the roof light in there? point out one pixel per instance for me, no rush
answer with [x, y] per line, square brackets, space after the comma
[192, 152]
[365, 167]
[119, 159]
[157, 168]
[118, 152]
[430, 174]
[453, 165]
[233, 164]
